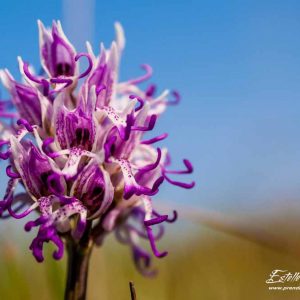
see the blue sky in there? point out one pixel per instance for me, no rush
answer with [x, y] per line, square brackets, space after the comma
[236, 64]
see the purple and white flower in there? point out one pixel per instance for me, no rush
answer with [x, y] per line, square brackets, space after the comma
[79, 152]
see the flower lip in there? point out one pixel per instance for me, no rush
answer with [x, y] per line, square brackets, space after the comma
[46, 234]
[23, 214]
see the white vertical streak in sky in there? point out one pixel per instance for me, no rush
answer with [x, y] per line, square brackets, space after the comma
[79, 21]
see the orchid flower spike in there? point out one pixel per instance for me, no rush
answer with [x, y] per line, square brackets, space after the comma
[79, 152]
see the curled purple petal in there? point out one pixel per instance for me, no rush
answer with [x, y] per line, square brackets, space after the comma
[58, 254]
[180, 184]
[129, 123]
[189, 170]
[145, 77]
[16, 209]
[5, 155]
[11, 174]
[90, 62]
[140, 100]
[150, 126]
[153, 245]
[23, 214]
[66, 81]
[155, 139]
[154, 165]
[157, 184]
[8, 197]
[45, 235]
[150, 91]
[29, 225]
[169, 220]
[157, 220]
[188, 165]
[142, 261]
[131, 187]
[176, 100]
[124, 126]
[29, 75]
[150, 167]
[40, 81]
[26, 124]
[46, 143]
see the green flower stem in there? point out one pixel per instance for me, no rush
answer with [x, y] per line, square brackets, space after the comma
[79, 254]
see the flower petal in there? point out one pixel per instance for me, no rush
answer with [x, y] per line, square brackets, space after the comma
[94, 189]
[57, 53]
[25, 98]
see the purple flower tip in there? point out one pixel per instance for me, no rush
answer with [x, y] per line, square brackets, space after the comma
[26, 124]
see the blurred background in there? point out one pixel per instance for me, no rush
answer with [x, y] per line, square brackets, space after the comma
[236, 64]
